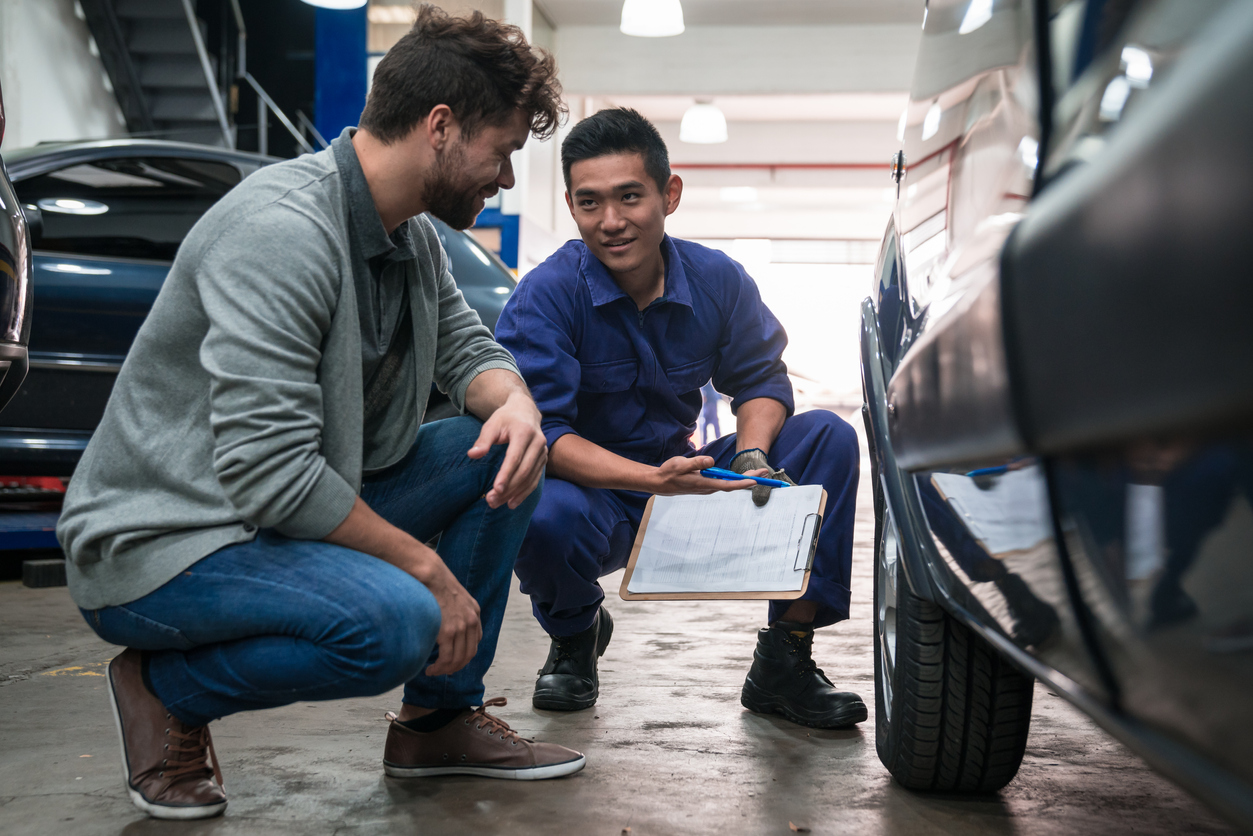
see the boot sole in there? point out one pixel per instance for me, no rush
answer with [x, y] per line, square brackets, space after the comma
[527, 773]
[757, 700]
[157, 811]
[546, 701]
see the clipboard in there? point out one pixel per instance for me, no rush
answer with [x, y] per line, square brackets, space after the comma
[806, 548]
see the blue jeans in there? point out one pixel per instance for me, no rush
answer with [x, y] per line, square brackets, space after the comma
[277, 620]
[578, 535]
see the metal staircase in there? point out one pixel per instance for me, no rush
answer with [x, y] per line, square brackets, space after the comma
[156, 48]
[166, 81]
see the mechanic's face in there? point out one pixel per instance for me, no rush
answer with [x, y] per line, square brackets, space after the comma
[620, 212]
[469, 171]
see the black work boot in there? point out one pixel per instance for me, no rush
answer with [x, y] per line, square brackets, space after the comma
[784, 680]
[568, 681]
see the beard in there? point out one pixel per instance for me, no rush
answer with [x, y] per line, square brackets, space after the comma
[447, 196]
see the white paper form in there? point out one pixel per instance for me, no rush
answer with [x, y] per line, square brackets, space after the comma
[725, 543]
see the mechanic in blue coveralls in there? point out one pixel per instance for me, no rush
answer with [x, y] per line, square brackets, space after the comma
[615, 335]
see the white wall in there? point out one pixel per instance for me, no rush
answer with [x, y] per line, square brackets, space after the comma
[714, 60]
[54, 84]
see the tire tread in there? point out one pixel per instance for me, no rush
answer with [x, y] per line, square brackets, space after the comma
[961, 711]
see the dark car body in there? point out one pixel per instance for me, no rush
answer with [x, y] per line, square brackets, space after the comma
[111, 217]
[15, 285]
[1057, 360]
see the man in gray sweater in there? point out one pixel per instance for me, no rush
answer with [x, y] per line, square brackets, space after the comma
[250, 519]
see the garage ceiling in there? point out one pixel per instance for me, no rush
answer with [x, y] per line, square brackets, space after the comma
[745, 12]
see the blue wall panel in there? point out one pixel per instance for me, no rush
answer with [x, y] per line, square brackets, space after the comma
[339, 69]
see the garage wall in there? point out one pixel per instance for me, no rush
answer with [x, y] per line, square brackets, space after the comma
[54, 84]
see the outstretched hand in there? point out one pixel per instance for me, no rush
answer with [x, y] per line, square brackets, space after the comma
[681, 475]
[516, 423]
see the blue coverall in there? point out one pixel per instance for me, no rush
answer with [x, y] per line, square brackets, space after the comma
[629, 381]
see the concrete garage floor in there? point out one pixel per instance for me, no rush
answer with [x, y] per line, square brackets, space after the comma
[670, 750]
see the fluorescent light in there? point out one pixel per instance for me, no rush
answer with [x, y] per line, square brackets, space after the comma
[737, 194]
[1029, 151]
[651, 18]
[978, 13]
[703, 124]
[337, 4]
[78, 269]
[931, 122]
[1115, 98]
[71, 206]
[1138, 64]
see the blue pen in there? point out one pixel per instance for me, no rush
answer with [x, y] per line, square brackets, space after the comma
[989, 471]
[732, 476]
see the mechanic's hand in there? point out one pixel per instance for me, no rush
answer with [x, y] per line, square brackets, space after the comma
[516, 423]
[753, 462]
[459, 628]
[681, 475]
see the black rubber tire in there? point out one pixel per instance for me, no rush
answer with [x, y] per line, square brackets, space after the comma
[960, 712]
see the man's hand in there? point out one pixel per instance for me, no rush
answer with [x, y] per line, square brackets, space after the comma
[516, 423]
[681, 475]
[459, 628]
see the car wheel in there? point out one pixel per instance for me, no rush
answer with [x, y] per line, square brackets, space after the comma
[951, 714]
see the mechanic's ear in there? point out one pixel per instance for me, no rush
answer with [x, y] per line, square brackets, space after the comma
[674, 191]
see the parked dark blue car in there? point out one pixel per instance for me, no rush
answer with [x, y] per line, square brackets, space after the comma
[1058, 369]
[107, 218]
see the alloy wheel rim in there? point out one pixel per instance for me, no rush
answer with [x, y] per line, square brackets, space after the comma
[885, 614]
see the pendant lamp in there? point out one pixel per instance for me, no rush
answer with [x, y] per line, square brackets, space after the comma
[651, 18]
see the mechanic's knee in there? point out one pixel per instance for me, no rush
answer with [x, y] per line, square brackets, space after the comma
[834, 433]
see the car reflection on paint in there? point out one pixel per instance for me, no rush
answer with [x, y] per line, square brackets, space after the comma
[15, 285]
[1058, 373]
[107, 219]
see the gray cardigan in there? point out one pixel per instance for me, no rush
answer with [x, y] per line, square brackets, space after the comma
[240, 403]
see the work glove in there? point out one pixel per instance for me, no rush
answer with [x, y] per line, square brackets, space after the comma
[755, 459]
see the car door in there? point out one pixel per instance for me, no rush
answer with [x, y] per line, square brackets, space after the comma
[110, 230]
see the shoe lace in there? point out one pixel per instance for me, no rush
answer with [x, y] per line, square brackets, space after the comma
[565, 647]
[492, 723]
[192, 752]
[802, 645]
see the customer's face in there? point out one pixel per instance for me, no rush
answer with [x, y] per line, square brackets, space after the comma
[469, 171]
[620, 212]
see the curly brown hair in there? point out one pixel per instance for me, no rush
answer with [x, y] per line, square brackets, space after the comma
[482, 69]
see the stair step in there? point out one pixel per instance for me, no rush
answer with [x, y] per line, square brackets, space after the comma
[160, 37]
[182, 107]
[150, 9]
[173, 71]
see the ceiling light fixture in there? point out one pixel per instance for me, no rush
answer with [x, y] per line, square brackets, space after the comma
[650, 18]
[703, 124]
[337, 4]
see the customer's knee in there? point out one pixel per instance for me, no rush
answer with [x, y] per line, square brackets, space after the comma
[398, 636]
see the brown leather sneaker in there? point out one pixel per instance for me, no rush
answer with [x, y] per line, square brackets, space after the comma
[475, 743]
[167, 764]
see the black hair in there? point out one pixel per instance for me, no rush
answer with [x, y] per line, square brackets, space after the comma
[618, 130]
[482, 69]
